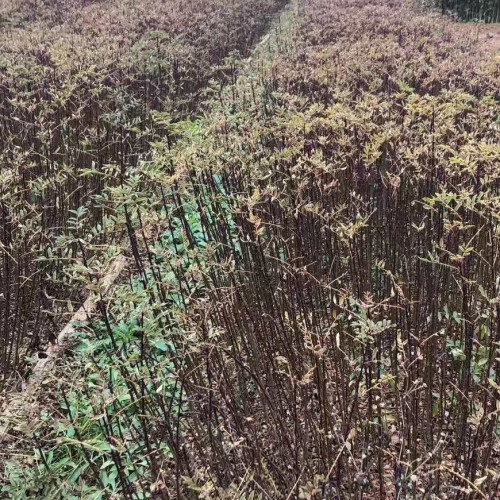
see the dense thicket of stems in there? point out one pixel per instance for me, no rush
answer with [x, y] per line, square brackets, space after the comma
[348, 336]
[312, 310]
[79, 85]
[487, 11]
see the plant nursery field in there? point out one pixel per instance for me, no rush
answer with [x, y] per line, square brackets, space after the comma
[249, 250]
